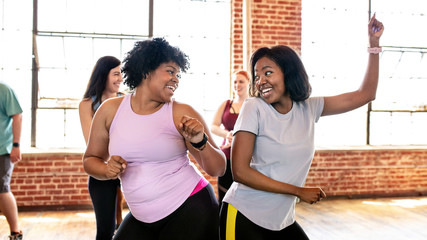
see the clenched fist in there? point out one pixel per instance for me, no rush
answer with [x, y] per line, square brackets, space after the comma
[115, 166]
[192, 129]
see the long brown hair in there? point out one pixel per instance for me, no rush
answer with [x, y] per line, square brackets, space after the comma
[99, 76]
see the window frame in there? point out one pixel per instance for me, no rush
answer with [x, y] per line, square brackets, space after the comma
[35, 61]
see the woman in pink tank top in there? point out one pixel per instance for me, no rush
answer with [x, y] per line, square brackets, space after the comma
[143, 139]
[226, 116]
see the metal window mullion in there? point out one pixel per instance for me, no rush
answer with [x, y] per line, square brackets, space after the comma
[35, 81]
[368, 115]
[150, 18]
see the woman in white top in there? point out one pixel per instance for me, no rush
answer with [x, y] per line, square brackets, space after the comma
[273, 143]
[226, 115]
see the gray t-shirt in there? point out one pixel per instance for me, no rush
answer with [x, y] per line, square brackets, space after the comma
[283, 150]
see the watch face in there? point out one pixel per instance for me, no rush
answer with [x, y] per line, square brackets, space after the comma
[16, 144]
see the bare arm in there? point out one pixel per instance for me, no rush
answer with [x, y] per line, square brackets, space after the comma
[216, 123]
[192, 126]
[86, 115]
[368, 89]
[15, 154]
[96, 160]
[242, 148]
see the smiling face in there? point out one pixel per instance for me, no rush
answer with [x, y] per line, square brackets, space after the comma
[269, 81]
[163, 81]
[114, 80]
[240, 85]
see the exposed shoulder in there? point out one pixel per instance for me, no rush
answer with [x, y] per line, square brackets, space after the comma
[183, 109]
[110, 106]
[224, 104]
[85, 103]
[114, 101]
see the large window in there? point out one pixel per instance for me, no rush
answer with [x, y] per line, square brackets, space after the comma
[334, 52]
[70, 38]
[15, 54]
[399, 114]
[69, 41]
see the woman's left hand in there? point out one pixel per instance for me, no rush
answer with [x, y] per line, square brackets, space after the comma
[192, 129]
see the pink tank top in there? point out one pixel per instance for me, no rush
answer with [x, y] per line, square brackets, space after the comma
[159, 176]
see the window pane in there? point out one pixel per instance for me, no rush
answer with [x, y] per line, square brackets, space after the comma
[403, 20]
[13, 54]
[73, 137]
[59, 128]
[103, 47]
[78, 53]
[65, 75]
[50, 128]
[49, 20]
[393, 95]
[134, 17]
[57, 83]
[94, 16]
[207, 18]
[398, 128]
[51, 52]
[335, 67]
[343, 129]
[16, 15]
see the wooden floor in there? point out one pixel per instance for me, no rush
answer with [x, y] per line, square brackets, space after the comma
[376, 219]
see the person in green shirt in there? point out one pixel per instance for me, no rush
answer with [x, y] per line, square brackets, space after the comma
[10, 153]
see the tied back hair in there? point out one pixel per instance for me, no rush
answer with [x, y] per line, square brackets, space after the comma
[98, 78]
[146, 56]
[295, 76]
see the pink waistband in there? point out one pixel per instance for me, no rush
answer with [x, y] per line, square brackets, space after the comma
[200, 185]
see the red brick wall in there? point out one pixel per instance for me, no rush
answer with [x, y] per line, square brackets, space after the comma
[54, 179]
[273, 22]
[237, 36]
[59, 179]
[359, 173]
[276, 22]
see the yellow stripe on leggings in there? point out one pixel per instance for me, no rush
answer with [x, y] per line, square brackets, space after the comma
[230, 232]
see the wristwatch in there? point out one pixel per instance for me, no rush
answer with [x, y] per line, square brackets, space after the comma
[15, 144]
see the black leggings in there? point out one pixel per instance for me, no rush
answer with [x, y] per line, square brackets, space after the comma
[104, 196]
[197, 218]
[225, 181]
[247, 230]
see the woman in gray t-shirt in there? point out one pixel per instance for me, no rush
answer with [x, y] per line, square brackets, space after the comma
[273, 142]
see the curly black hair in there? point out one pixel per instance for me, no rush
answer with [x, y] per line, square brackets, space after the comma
[146, 56]
[295, 76]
